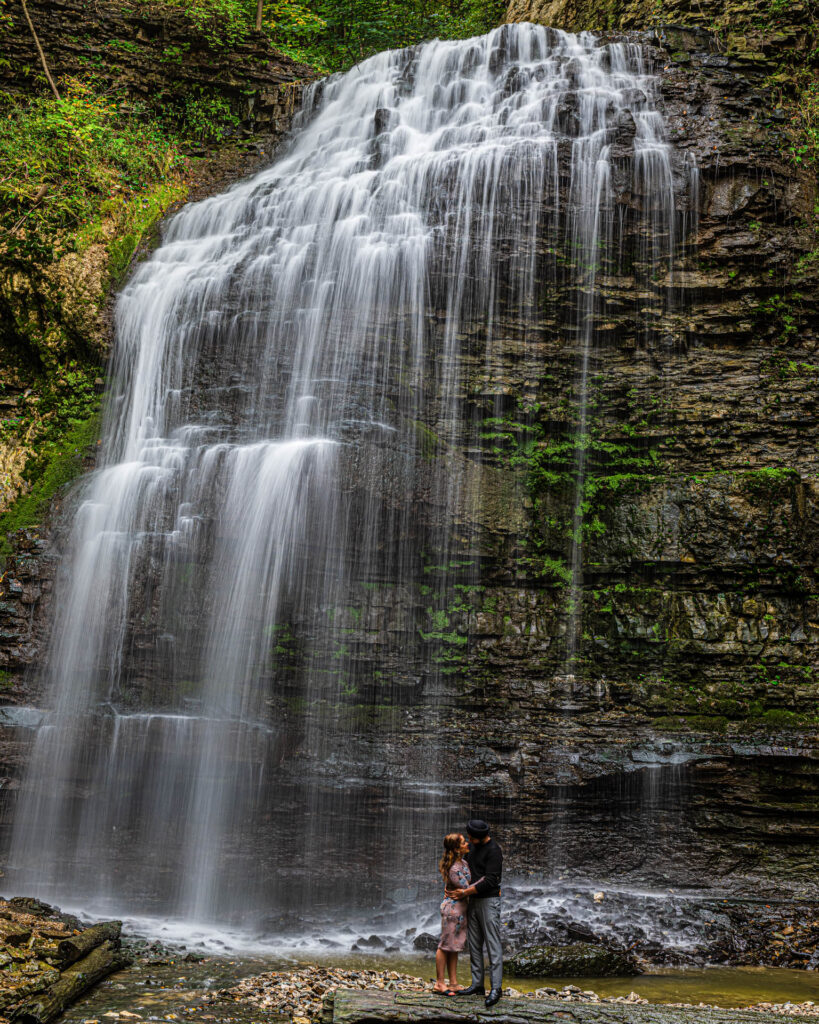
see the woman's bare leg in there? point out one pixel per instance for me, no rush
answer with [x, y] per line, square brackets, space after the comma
[452, 969]
[441, 960]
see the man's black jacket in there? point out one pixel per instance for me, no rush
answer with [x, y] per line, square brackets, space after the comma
[485, 865]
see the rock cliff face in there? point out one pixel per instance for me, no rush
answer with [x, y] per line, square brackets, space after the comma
[681, 743]
[699, 605]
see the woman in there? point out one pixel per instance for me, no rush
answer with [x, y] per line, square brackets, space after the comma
[455, 873]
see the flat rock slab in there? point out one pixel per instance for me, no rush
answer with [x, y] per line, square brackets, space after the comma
[347, 1006]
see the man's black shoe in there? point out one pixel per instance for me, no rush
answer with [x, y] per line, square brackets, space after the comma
[493, 997]
[473, 990]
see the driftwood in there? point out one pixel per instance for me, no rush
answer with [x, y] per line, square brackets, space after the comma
[75, 947]
[354, 1006]
[78, 978]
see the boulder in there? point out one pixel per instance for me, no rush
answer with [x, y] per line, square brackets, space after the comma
[580, 960]
[426, 942]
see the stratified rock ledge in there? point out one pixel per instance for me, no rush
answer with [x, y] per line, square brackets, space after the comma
[352, 1007]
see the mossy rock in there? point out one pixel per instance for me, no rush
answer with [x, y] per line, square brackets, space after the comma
[581, 960]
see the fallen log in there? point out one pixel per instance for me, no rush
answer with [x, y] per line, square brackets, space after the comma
[78, 978]
[29, 987]
[354, 1006]
[75, 947]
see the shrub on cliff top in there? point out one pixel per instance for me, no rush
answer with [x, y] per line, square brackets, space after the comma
[62, 161]
[332, 35]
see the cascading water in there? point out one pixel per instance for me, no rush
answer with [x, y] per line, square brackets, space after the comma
[286, 450]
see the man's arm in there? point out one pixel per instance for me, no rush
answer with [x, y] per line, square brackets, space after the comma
[460, 894]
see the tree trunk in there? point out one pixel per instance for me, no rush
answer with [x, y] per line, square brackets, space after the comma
[259, 6]
[349, 1006]
[39, 49]
[77, 946]
[47, 1006]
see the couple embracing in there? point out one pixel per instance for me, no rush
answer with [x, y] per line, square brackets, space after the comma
[470, 911]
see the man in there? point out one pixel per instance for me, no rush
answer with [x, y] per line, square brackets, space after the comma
[485, 860]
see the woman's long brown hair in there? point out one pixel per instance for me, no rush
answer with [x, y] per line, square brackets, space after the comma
[452, 853]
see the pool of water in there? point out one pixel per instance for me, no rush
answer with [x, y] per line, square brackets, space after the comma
[721, 986]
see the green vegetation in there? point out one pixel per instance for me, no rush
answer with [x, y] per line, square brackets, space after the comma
[332, 35]
[428, 441]
[72, 163]
[83, 179]
[59, 460]
[784, 314]
[769, 482]
[804, 142]
[57, 430]
[618, 453]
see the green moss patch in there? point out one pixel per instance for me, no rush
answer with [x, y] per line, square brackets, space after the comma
[62, 461]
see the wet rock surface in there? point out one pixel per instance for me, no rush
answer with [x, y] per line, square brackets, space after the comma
[581, 959]
[352, 1007]
[777, 935]
[668, 928]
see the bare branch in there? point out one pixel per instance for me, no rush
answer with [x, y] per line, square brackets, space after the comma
[40, 49]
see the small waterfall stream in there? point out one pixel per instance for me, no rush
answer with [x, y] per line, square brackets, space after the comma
[285, 429]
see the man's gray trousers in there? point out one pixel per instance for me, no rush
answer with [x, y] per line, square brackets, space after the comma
[484, 929]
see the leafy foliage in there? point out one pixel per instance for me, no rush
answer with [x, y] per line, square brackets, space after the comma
[59, 428]
[88, 169]
[223, 22]
[333, 35]
[63, 161]
[804, 147]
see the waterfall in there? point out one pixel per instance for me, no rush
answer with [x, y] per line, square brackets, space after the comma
[237, 666]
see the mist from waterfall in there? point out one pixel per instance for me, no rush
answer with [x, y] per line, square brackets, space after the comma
[285, 429]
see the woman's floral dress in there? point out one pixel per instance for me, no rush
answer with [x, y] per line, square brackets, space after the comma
[453, 912]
